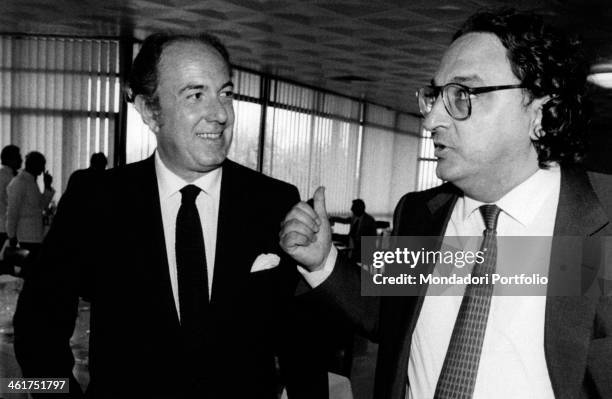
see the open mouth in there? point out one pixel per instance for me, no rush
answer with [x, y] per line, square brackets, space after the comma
[209, 136]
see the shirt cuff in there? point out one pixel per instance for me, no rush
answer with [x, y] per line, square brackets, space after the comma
[314, 279]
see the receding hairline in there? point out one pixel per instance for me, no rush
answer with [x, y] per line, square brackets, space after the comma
[183, 41]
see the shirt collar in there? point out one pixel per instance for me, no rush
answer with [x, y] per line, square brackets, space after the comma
[533, 191]
[169, 183]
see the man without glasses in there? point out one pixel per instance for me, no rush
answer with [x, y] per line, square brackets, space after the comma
[506, 113]
[176, 253]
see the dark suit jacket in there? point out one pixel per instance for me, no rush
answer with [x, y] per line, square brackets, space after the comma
[578, 330]
[88, 177]
[109, 248]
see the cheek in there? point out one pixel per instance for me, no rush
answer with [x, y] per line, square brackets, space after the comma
[475, 140]
[185, 122]
[229, 110]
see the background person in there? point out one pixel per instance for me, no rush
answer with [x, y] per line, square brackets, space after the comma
[11, 163]
[90, 176]
[25, 206]
[362, 225]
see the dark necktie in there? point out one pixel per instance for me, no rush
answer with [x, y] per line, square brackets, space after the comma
[458, 375]
[191, 269]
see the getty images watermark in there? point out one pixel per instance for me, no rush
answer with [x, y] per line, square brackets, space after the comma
[529, 266]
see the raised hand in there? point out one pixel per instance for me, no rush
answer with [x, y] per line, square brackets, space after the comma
[305, 233]
[47, 179]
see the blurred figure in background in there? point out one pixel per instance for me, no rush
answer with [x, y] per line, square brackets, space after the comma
[11, 163]
[89, 176]
[362, 224]
[24, 216]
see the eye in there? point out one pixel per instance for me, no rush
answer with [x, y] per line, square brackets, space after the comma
[462, 95]
[227, 94]
[195, 96]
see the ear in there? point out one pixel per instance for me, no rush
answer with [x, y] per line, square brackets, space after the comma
[149, 116]
[536, 116]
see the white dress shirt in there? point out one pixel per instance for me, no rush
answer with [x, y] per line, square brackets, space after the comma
[25, 205]
[207, 202]
[512, 363]
[6, 175]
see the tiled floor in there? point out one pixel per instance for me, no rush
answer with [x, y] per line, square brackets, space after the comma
[9, 291]
[362, 371]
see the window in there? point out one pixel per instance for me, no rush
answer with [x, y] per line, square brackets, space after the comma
[427, 163]
[247, 121]
[59, 96]
[312, 139]
[389, 160]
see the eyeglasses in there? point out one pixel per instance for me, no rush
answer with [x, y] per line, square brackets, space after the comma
[456, 98]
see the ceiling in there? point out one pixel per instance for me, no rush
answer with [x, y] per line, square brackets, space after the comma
[377, 50]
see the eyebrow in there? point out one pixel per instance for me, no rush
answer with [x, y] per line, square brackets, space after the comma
[462, 79]
[227, 84]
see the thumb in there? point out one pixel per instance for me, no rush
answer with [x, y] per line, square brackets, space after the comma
[319, 202]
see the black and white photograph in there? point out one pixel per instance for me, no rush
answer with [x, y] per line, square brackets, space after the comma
[306, 199]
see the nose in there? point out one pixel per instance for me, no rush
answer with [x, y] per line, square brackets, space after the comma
[438, 117]
[218, 111]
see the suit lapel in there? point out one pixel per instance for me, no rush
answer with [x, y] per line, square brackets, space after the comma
[569, 319]
[232, 234]
[146, 196]
[433, 223]
[439, 207]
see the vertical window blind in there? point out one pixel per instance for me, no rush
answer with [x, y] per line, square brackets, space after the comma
[313, 138]
[140, 141]
[405, 152]
[288, 134]
[247, 120]
[427, 163]
[388, 164]
[59, 96]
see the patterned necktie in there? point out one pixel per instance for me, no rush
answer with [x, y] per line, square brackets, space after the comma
[191, 268]
[458, 375]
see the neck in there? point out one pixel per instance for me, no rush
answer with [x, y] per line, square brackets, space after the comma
[188, 175]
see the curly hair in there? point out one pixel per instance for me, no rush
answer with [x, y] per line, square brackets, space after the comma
[549, 63]
[143, 78]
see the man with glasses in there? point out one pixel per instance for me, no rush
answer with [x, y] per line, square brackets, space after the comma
[506, 113]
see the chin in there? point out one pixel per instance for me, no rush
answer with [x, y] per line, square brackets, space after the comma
[211, 163]
[452, 173]
[445, 172]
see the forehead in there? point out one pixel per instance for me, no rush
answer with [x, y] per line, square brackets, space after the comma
[186, 60]
[476, 59]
